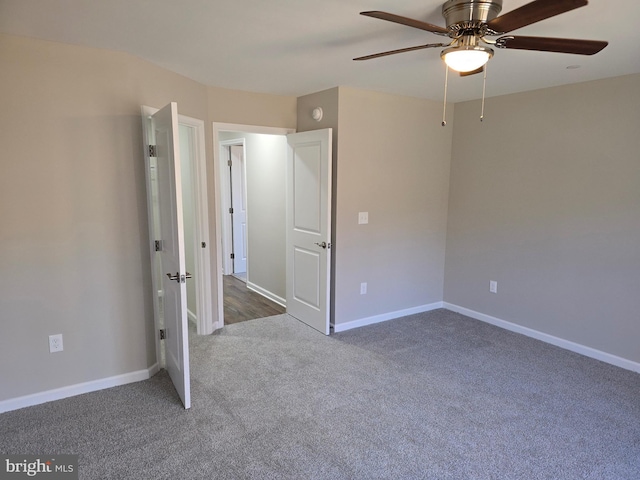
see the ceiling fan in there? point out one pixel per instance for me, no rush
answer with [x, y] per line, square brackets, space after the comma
[470, 22]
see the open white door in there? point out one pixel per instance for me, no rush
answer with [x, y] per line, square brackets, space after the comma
[239, 206]
[309, 227]
[174, 275]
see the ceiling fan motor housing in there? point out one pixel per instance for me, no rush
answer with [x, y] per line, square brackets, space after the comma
[469, 13]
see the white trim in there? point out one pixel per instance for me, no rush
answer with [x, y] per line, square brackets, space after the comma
[267, 294]
[147, 132]
[201, 215]
[545, 337]
[236, 127]
[77, 389]
[192, 317]
[341, 327]
[217, 128]
[225, 194]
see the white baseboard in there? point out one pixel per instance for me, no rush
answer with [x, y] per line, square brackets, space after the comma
[341, 327]
[78, 389]
[545, 337]
[192, 317]
[267, 294]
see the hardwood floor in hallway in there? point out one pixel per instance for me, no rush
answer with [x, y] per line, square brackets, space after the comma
[242, 304]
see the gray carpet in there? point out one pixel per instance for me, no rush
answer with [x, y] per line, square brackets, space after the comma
[435, 395]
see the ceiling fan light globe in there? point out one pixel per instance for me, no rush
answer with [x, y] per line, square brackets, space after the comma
[466, 59]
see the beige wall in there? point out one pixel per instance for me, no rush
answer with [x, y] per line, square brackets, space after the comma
[74, 234]
[246, 108]
[393, 162]
[73, 211]
[545, 199]
[328, 101]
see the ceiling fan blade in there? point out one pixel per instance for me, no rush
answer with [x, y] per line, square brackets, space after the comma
[547, 44]
[472, 72]
[531, 13]
[410, 22]
[402, 50]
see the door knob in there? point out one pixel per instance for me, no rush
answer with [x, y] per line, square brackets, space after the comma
[322, 244]
[179, 278]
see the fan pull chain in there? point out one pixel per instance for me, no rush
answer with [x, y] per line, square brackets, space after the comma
[444, 111]
[484, 89]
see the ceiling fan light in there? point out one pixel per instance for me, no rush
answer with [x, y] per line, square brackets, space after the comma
[466, 58]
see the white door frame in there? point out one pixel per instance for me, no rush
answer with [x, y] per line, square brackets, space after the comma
[225, 203]
[202, 275]
[219, 164]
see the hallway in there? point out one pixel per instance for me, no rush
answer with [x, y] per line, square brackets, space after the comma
[242, 304]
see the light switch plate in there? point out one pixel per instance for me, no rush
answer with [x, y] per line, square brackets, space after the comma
[55, 343]
[363, 218]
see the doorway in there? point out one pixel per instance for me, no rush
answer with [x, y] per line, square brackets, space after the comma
[251, 220]
[235, 237]
[288, 218]
[241, 303]
[238, 187]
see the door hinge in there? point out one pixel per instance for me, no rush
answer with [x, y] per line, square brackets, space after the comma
[233, 255]
[158, 245]
[152, 151]
[229, 163]
[204, 244]
[231, 211]
[163, 334]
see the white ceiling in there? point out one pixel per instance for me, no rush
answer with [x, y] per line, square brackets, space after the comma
[296, 47]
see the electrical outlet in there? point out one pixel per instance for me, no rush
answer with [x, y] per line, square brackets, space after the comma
[363, 288]
[363, 218]
[493, 286]
[55, 343]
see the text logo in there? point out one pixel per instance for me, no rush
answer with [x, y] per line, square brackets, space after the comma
[52, 467]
